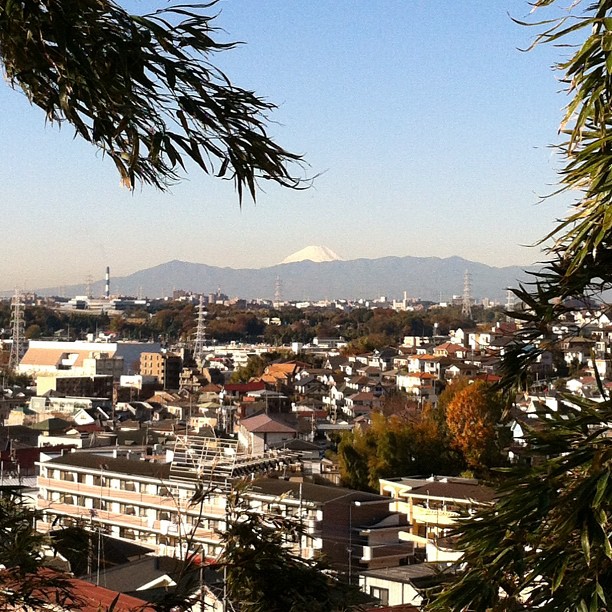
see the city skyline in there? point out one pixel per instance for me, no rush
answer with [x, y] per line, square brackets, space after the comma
[427, 129]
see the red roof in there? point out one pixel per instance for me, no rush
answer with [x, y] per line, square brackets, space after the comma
[491, 378]
[262, 423]
[244, 387]
[86, 597]
[88, 428]
[97, 597]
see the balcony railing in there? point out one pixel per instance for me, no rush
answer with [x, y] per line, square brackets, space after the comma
[383, 551]
[110, 494]
[116, 519]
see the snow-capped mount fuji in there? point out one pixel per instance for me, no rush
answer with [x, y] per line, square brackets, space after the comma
[318, 254]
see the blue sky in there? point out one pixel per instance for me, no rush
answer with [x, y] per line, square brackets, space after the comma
[429, 129]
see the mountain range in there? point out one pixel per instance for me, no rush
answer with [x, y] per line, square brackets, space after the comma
[428, 278]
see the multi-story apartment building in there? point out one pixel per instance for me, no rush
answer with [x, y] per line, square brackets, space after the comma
[165, 367]
[432, 506]
[149, 500]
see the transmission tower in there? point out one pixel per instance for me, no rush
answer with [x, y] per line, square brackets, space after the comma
[466, 308]
[88, 282]
[200, 334]
[278, 292]
[510, 301]
[17, 327]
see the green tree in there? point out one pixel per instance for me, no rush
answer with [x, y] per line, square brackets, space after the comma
[33, 331]
[397, 445]
[142, 88]
[25, 581]
[546, 544]
[264, 575]
[253, 368]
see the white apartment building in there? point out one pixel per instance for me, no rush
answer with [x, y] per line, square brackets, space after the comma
[148, 498]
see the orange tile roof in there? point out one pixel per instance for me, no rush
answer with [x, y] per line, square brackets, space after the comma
[96, 598]
[52, 357]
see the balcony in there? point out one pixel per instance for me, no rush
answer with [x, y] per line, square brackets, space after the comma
[109, 494]
[386, 555]
[115, 519]
[435, 516]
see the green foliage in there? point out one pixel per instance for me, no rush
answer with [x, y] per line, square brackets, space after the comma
[254, 367]
[142, 89]
[264, 575]
[398, 445]
[579, 248]
[241, 326]
[546, 543]
[25, 583]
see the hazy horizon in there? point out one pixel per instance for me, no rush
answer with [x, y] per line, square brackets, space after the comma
[99, 280]
[429, 132]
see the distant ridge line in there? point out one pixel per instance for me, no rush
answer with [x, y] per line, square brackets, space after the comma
[426, 278]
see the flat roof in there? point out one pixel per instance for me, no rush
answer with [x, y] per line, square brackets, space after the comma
[120, 465]
[445, 487]
[311, 492]
[415, 574]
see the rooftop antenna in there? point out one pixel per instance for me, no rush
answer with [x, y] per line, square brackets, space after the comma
[17, 328]
[466, 307]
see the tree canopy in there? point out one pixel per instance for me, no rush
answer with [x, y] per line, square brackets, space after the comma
[546, 543]
[579, 247]
[26, 583]
[143, 89]
[472, 416]
[397, 445]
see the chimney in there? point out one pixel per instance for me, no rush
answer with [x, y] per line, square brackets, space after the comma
[107, 283]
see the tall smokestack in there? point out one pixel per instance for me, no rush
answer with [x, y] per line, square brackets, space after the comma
[107, 284]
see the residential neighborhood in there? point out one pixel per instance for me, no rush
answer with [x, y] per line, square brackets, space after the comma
[118, 438]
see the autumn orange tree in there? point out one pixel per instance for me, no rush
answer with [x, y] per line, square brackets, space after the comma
[472, 416]
[398, 445]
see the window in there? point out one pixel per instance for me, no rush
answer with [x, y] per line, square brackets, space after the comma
[99, 504]
[128, 534]
[381, 594]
